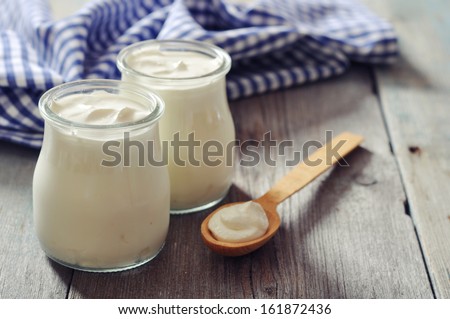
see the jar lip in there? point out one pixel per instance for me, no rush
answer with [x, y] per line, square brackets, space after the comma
[181, 45]
[89, 85]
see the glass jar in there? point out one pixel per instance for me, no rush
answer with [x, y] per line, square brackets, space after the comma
[99, 202]
[197, 121]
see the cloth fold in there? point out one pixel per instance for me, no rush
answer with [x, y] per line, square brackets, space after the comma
[273, 44]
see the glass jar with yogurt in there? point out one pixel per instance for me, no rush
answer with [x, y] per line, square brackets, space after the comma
[190, 77]
[101, 192]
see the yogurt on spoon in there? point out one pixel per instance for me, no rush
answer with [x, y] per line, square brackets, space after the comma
[239, 223]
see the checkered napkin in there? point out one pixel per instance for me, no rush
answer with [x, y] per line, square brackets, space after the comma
[273, 44]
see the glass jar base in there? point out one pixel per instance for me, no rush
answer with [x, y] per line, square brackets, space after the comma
[106, 270]
[197, 208]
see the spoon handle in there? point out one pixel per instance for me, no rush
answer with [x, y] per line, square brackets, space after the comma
[317, 163]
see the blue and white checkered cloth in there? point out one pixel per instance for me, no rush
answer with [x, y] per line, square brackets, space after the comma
[273, 43]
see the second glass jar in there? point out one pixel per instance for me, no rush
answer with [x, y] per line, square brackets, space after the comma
[197, 129]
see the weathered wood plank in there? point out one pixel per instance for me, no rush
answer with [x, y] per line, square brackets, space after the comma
[25, 272]
[415, 95]
[344, 236]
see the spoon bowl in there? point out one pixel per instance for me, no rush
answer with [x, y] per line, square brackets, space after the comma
[299, 177]
[240, 249]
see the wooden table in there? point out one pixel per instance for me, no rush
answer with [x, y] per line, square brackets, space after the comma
[377, 229]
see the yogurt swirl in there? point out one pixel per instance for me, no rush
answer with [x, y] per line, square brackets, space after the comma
[239, 223]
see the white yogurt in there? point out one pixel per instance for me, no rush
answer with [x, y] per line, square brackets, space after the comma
[239, 223]
[93, 217]
[192, 85]
[100, 108]
[172, 64]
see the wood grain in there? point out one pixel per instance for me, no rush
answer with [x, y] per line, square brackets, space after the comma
[415, 95]
[344, 236]
[25, 272]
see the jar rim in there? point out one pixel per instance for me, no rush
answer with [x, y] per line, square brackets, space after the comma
[180, 45]
[89, 85]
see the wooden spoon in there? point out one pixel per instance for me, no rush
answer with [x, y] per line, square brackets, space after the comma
[291, 183]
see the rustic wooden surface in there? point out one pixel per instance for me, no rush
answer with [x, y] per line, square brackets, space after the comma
[24, 271]
[375, 229]
[415, 97]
